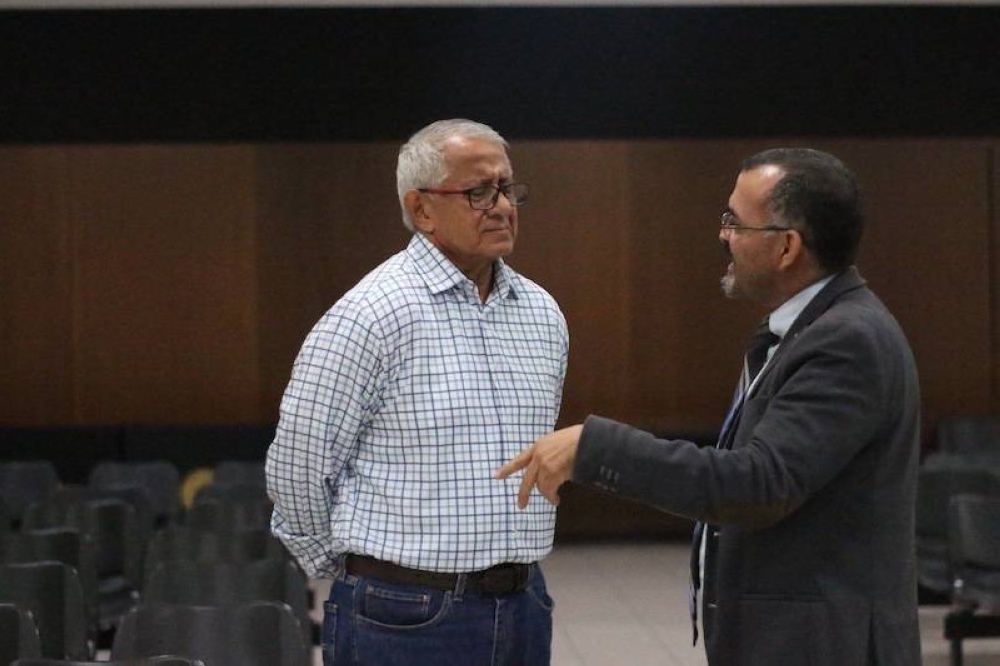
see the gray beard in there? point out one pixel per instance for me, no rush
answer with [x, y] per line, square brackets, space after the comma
[728, 285]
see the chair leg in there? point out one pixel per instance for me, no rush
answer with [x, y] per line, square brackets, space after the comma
[956, 652]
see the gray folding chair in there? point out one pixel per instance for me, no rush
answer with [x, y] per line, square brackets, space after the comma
[24, 482]
[119, 541]
[61, 544]
[159, 479]
[260, 633]
[166, 660]
[974, 541]
[51, 591]
[231, 584]
[18, 634]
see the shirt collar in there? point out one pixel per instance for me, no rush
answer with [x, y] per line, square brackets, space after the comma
[782, 319]
[440, 275]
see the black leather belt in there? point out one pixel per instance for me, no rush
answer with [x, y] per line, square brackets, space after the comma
[493, 582]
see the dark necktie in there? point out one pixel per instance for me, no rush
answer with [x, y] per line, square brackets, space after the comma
[756, 354]
[753, 362]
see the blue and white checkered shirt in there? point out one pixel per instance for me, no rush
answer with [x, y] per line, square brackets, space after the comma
[404, 400]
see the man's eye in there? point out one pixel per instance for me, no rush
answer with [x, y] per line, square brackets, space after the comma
[482, 192]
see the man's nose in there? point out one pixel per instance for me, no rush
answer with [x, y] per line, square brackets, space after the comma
[503, 206]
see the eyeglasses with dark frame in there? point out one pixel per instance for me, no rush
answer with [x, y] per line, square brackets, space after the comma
[729, 222]
[485, 197]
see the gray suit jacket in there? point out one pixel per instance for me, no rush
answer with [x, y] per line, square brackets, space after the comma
[810, 510]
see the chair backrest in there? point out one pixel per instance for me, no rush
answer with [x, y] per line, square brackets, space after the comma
[935, 488]
[233, 493]
[61, 544]
[165, 660]
[51, 591]
[226, 513]
[18, 634]
[160, 479]
[974, 545]
[239, 473]
[181, 542]
[261, 633]
[24, 482]
[969, 435]
[231, 584]
[119, 536]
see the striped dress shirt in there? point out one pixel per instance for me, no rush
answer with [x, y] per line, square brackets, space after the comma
[405, 398]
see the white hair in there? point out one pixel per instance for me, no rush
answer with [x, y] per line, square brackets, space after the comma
[421, 159]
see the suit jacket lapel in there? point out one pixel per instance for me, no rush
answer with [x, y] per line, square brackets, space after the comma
[846, 281]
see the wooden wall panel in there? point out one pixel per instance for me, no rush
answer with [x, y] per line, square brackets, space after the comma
[36, 288]
[686, 338]
[927, 255]
[574, 241]
[174, 284]
[164, 311]
[326, 216]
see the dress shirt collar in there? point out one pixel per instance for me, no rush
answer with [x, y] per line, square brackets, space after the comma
[440, 274]
[782, 319]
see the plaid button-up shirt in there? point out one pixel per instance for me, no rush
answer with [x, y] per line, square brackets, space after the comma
[405, 398]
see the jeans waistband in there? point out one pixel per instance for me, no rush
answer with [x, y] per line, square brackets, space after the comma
[507, 578]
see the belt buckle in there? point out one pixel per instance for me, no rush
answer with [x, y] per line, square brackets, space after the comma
[504, 579]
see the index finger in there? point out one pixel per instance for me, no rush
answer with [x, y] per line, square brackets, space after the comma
[522, 460]
[527, 485]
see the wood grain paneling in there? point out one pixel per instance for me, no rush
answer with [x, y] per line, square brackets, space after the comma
[574, 241]
[164, 309]
[326, 215]
[36, 288]
[927, 255]
[686, 337]
[175, 284]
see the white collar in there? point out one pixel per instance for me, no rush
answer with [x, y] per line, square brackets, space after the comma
[782, 319]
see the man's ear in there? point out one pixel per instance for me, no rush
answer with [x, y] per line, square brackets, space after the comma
[422, 220]
[792, 249]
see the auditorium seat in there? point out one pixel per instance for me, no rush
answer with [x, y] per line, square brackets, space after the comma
[222, 509]
[61, 544]
[160, 479]
[24, 482]
[51, 591]
[936, 485]
[182, 542]
[239, 473]
[119, 540]
[974, 541]
[18, 633]
[231, 584]
[969, 436]
[164, 660]
[260, 633]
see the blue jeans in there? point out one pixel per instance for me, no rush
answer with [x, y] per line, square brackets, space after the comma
[368, 622]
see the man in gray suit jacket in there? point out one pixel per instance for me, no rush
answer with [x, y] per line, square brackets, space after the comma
[805, 509]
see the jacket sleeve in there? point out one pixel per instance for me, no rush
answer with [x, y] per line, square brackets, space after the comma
[824, 401]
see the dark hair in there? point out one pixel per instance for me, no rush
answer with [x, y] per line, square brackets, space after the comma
[819, 197]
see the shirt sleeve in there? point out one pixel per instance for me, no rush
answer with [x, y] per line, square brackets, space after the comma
[563, 361]
[329, 400]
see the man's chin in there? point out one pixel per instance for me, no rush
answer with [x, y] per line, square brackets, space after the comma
[502, 249]
[728, 285]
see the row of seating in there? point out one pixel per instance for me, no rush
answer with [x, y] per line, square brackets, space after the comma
[258, 633]
[215, 554]
[958, 528]
[154, 486]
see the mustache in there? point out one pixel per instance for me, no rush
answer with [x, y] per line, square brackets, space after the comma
[727, 253]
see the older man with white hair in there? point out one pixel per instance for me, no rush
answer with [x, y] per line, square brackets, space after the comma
[412, 389]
